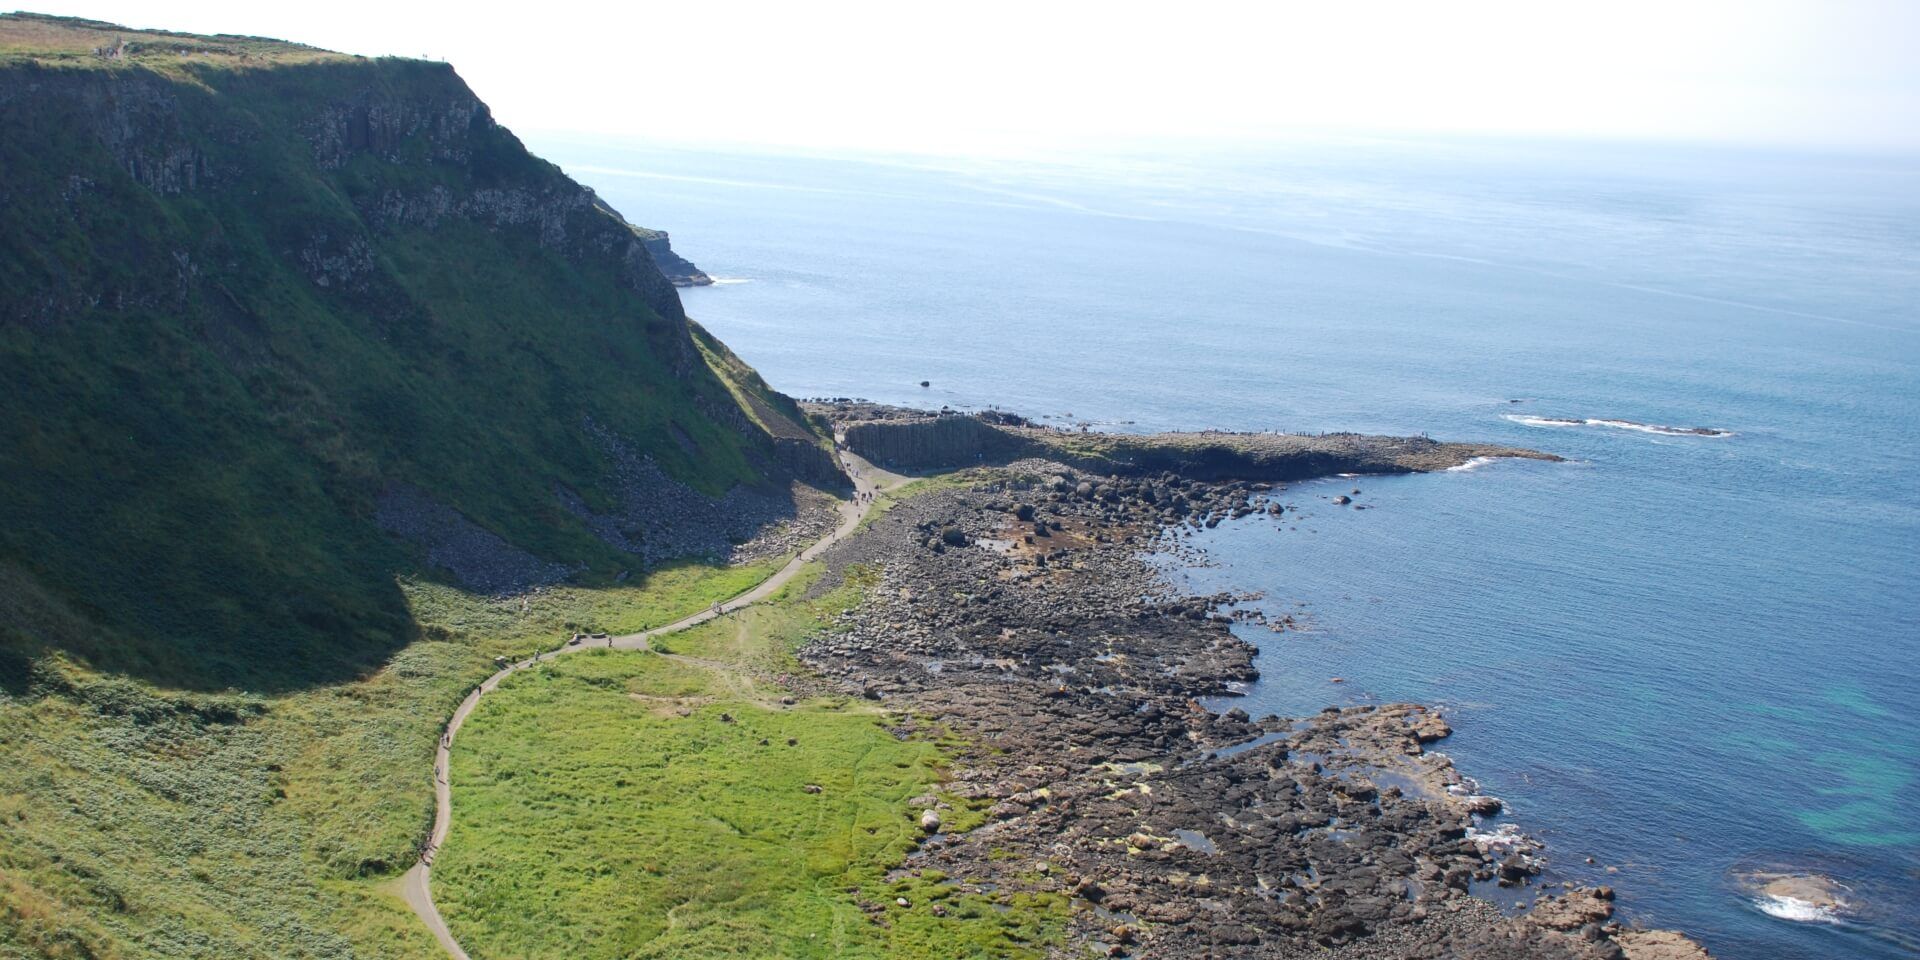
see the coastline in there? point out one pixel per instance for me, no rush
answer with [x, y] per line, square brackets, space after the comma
[1017, 611]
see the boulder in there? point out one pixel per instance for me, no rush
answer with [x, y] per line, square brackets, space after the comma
[1659, 945]
[1572, 910]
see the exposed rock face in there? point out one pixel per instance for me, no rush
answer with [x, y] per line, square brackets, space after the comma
[449, 125]
[152, 134]
[676, 267]
[380, 123]
[139, 124]
[448, 122]
[933, 443]
[566, 217]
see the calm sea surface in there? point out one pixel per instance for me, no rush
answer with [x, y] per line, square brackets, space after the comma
[1681, 656]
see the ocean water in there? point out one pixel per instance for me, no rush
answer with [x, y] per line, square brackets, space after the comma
[1682, 656]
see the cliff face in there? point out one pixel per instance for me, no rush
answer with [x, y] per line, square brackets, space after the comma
[676, 267]
[934, 443]
[405, 144]
[279, 325]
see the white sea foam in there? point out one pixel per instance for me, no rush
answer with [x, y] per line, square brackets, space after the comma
[729, 281]
[1505, 837]
[1660, 429]
[1799, 911]
[1522, 418]
[1472, 464]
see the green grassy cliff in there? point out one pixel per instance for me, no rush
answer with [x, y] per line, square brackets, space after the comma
[304, 361]
[280, 326]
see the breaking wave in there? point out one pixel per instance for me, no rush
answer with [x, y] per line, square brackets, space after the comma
[1663, 430]
[1799, 911]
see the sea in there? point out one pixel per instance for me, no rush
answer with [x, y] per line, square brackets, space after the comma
[1687, 657]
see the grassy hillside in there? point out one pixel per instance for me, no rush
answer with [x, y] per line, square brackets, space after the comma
[142, 822]
[250, 287]
[261, 304]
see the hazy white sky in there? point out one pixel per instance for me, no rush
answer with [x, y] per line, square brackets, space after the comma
[996, 76]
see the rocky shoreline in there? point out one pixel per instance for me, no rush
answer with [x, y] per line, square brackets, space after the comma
[908, 439]
[1019, 613]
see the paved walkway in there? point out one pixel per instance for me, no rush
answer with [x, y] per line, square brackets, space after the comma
[415, 886]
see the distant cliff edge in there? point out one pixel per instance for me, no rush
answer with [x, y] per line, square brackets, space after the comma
[674, 266]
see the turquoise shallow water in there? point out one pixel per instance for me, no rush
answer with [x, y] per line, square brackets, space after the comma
[1681, 656]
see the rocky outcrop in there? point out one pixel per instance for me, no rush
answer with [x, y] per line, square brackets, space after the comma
[139, 124]
[920, 440]
[438, 124]
[564, 216]
[676, 267]
[933, 443]
[804, 458]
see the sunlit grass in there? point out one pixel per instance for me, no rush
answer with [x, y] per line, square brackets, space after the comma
[222, 825]
[628, 804]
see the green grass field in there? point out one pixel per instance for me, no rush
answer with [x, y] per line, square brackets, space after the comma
[141, 822]
[632, 805]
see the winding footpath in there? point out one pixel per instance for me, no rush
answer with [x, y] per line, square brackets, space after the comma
[415, 887]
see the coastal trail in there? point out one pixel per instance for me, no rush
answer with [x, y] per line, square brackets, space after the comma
[415, 885]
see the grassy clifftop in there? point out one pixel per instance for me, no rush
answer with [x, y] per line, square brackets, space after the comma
[256, 294]
[75, 41]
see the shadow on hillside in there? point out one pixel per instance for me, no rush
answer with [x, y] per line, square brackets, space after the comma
[15, 671]
[348, 623]
[295, 643]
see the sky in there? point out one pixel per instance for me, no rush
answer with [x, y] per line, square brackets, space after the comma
[989, 77]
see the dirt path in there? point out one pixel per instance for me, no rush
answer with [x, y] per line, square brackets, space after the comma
[415, 886]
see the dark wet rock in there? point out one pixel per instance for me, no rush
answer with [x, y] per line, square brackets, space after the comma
[1071, 674]
[1515, 868]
